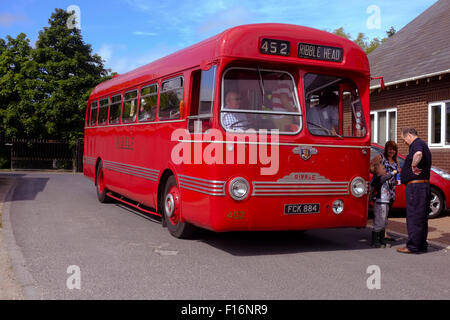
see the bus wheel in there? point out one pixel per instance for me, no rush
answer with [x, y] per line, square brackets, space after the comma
[172, 211]
[100, 184]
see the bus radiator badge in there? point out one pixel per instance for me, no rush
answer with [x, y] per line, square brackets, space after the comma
[305, 153]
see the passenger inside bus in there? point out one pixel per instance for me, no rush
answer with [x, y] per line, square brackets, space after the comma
[323, 118]
[283, 101]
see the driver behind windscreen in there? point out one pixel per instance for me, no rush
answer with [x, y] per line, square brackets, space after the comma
[234, 120]
[324, 117]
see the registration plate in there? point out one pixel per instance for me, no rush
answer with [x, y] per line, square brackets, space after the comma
[303, 208]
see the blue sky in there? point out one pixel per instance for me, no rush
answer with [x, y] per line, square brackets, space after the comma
[131, 33]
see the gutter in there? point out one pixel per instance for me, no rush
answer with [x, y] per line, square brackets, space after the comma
[428, 75]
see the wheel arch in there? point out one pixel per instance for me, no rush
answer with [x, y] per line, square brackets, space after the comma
[161, 185]
[97, 163]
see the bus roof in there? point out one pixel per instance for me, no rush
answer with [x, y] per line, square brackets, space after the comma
[241, 42]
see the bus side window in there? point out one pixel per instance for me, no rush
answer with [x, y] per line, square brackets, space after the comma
[148, 103]
[170, 97]
[103, 112]
[94, 110]
[114, 109]
[130, 104]
[202, 100]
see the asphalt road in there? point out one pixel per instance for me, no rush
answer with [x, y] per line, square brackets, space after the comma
[57, 222]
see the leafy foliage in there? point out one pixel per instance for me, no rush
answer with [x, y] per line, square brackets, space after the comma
[363, 41]
[44, 90]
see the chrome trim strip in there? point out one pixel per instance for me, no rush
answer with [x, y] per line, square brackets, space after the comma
[299, 194]
[148, 170]
[184, 184]
[115, 168]
[300, 191]
[210, 187]
[199, 179]
[140, 172]
[136, 124]
[132, 173]
[204, 192]
[278, 144]
[306, 188]
[292, 184]
[213, 185]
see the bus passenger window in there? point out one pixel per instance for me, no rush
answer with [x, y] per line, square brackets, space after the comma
[149, 100]
[114, 109]
[130, 107]
[324, 96]
[94, 110]
[170, 98]
[208, 81]
[103, 112]
[202, 100]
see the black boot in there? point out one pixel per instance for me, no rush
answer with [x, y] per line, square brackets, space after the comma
[375, 240]
[383, 242]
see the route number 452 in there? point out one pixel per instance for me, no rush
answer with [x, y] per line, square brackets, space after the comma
[276, 47]
[236, 215]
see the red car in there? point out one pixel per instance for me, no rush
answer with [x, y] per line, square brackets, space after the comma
[440, 186]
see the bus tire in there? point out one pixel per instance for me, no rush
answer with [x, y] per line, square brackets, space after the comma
[100, 185]
[171, 207]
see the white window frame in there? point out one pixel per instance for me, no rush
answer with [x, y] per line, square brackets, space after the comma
[375, 129]
[440, 145]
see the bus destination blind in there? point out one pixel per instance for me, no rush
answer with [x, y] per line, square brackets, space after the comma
[316, 52]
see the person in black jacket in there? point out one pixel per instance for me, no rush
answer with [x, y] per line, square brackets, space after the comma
[415, 175]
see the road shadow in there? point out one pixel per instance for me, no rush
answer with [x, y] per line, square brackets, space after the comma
[27, 187]
[256, 243]
[259, 243]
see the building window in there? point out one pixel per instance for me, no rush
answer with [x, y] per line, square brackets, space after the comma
[439, 124]
[384, 126]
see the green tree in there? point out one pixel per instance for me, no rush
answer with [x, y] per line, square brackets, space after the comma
[66, 73]
[15, 78]
[44, 90]
[390, 32]
[340, 32]
[363, 41]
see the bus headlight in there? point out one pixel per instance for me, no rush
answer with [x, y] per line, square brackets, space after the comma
[239, 188]
[358, 187]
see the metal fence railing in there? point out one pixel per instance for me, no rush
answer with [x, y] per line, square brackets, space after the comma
[45, 154]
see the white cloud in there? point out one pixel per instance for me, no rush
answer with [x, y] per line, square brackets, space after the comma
[8, 19]
[106, 52]
[143, 33]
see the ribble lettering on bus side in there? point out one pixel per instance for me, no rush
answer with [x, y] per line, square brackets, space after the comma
[126, 143]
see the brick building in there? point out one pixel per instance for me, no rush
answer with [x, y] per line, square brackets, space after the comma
[415, 64]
